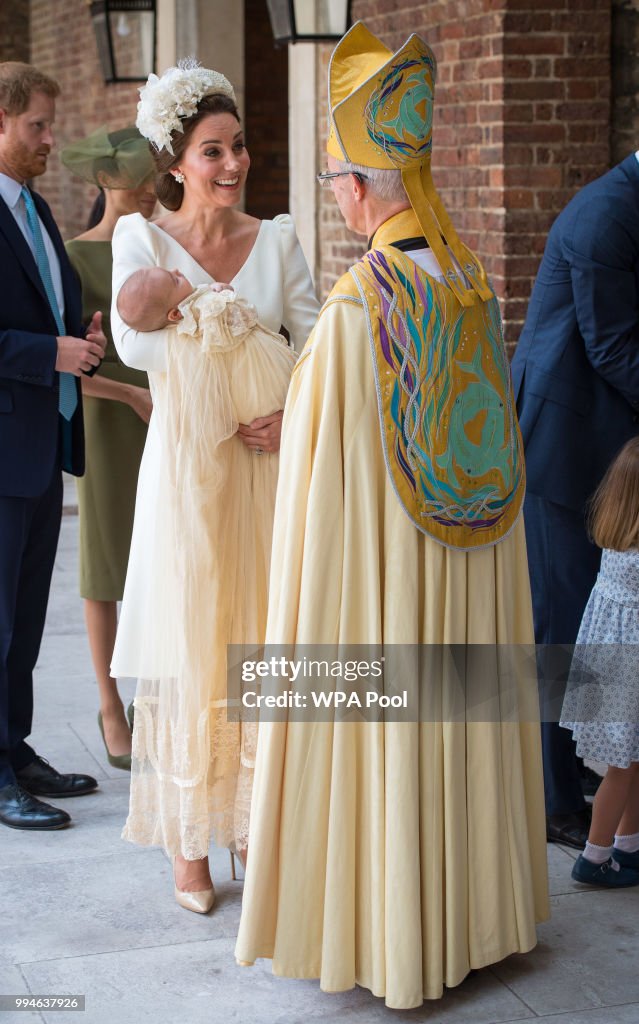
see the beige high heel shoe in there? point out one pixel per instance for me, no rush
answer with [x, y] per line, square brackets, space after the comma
[233, 853]
[200, 902]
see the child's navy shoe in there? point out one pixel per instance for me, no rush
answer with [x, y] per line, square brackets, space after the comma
[627, 860]
[603, 874]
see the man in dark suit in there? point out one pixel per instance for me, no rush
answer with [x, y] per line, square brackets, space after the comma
[42, 354]
[576, 379]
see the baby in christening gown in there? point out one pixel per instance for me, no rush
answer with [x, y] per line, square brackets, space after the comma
[218, 323]
[212, 541]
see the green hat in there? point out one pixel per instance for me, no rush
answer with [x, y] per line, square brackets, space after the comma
[119, 159]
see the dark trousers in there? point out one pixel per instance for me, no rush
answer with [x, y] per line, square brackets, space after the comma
[563, 565]
[29, 531]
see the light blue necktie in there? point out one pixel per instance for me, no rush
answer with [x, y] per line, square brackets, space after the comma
[68, 395]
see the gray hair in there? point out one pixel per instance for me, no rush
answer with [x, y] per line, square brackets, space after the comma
[386, 184]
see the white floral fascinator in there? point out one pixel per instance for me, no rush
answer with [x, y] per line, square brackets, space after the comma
[174, 96]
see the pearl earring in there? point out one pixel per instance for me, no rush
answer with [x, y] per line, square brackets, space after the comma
[179, 177]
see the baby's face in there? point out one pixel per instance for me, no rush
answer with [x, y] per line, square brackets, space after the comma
[176, 287]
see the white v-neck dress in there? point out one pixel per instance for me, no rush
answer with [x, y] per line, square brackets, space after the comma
[275, 278]
[192, 772]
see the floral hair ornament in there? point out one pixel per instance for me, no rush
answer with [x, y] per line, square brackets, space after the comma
[167, 101]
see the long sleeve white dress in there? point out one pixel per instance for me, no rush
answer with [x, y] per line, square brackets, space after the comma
[192, 770]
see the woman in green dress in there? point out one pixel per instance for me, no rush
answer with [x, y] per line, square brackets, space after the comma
[117, 407]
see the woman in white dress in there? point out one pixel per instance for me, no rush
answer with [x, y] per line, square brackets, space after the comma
[192, 772]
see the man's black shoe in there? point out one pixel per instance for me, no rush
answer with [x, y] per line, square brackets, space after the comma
[590, 781]
[569, 829]
[18, 809]
[40, 779]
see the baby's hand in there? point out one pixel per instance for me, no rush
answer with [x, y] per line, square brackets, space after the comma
[219, 286]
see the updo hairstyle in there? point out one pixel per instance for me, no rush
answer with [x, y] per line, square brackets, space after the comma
[169, 191]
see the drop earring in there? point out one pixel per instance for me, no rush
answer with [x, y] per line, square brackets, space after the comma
[179, 177]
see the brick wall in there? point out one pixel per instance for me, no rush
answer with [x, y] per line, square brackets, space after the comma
[63, 45]
[266, 94]
[556, 126]
[466, 37]
[625, 79]
[522, 114]
[14, 30]
[521, 121]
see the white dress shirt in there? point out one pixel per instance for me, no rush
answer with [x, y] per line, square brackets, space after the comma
[10, 190]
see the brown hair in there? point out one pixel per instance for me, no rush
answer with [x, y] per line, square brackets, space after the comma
[18, 82]
[169, 191]
[614, 509]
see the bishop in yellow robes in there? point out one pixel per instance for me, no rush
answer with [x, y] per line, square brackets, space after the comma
[397, 855]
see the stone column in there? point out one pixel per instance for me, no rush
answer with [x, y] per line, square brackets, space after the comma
[304, 159]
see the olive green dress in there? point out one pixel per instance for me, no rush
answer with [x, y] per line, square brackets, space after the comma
[114, 439]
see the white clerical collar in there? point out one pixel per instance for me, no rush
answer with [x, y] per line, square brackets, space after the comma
[10, 190]
[637, 154]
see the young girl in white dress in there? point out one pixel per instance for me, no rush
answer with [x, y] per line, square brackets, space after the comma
[601, 706]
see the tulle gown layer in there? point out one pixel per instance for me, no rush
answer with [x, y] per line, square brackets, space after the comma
[199, 569]
[397, 856]
[212, 550]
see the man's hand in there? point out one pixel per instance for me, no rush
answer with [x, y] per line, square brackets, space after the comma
[263, 433]
[77, 355]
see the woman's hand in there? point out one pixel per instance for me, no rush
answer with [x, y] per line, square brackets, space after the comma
[263, 434]
[141, 402]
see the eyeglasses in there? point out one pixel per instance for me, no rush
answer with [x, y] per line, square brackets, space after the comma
[326, 177]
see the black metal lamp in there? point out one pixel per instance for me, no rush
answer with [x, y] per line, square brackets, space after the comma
[309, 21]
[125, 31]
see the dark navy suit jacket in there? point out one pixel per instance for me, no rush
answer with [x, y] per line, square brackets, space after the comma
[576, 367]
[31, 429]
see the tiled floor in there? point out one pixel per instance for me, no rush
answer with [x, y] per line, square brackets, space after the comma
[83, 912]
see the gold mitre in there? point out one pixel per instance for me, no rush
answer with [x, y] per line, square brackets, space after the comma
[381, 115]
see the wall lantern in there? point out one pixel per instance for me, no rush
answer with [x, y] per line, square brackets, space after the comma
[309, 21]
[125, 31]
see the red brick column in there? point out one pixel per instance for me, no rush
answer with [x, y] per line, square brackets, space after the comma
[556, 125]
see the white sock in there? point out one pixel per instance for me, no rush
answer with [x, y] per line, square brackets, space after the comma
[598, 854]
[629, 844]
